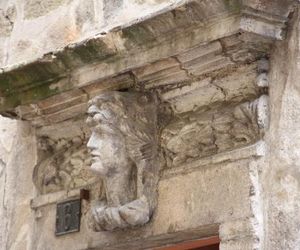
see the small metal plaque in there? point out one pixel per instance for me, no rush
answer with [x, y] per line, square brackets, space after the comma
[68, 216]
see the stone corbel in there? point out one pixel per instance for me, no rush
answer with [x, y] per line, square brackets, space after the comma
[123, 146]
[201, 135]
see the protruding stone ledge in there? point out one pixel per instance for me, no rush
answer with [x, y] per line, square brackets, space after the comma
[71, 103]
[256, 150]
[51, 198]
[120, 50]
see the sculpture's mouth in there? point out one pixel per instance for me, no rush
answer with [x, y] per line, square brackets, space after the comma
[95, 157]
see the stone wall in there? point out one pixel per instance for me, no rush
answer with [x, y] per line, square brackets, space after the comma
[8, 134]
[32, 28]
[280, 174]
[228, 110]
[18, 156]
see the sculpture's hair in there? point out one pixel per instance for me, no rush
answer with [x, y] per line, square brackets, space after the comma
[130, 115]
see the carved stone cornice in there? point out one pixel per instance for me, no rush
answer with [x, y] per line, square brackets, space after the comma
[80, 70]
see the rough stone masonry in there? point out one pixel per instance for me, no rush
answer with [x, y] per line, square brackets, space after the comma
[179, 118]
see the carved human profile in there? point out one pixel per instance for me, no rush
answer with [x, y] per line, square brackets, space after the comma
[123, 146]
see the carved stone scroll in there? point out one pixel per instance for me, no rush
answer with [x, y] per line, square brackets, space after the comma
[199, 135]
[123, 146]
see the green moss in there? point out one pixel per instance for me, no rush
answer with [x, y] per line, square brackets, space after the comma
[29, 83]
[38, 93]
[26, 97]
[93, 50]
[5, 87]
[138, 35]
[29, 76]
[233, 5]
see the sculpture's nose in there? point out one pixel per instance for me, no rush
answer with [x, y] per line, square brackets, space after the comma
[92, 143]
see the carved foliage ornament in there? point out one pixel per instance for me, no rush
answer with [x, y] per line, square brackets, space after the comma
[201, 135]
[123, 146]
[62, 165]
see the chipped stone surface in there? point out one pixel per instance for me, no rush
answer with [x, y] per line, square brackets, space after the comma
[204, 59]
[37, 8]
[245, 244]
[6, 23]
[236, 86]
[161, 73]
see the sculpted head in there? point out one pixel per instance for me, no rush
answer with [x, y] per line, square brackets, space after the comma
[122, 131]
[123, 145]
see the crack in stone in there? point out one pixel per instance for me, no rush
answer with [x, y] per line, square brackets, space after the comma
[181, 67]
[223, 91]
[225, 52]
[7, 18]
[214, 137]
[2, 167]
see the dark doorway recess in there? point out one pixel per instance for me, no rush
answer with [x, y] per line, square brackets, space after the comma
[211, 243]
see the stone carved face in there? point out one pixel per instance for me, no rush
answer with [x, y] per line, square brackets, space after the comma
[108, 151]
[123, 144]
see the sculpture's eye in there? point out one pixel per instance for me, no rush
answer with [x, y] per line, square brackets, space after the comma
[90, 121]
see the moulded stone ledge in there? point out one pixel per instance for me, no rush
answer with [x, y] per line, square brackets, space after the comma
[125, 48]
[47, 199]
[256, 150]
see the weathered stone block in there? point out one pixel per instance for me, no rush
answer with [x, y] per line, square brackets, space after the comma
[234, 87]
[37, 8]
[111, 7]
[234, 230]
[62, 101]
[240, 244]
[6, 24]
[123, 81]
[197, 203]
[160, 73]
[62, 115]
[85, 14]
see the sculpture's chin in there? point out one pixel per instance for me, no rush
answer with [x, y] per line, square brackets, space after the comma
[98, 168]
